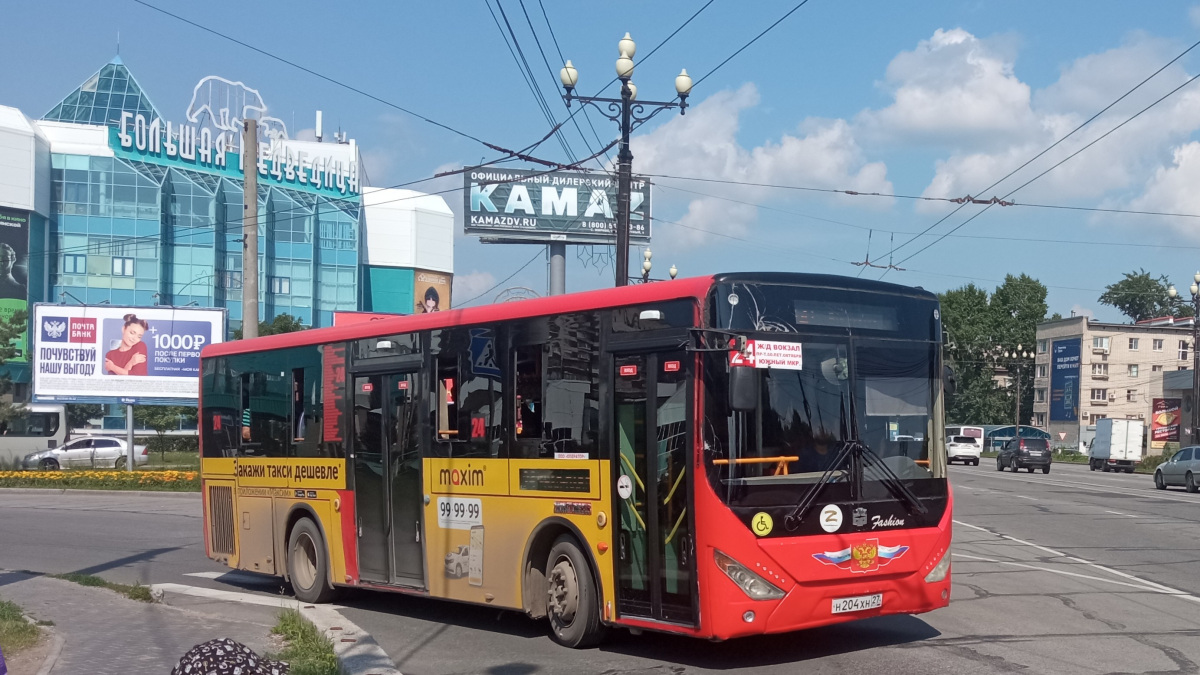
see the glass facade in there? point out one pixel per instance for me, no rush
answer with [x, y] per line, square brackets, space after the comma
[138, 233]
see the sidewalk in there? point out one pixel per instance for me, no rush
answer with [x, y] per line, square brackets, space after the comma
[106, 633]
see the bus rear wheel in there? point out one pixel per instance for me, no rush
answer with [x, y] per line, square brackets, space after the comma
[307, 564]
[573, 604]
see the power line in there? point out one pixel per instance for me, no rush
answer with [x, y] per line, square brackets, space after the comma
[527, 74]
[554, 79]
[993, 201]
[957, 236]
[1064, 160]
[505, 280]
[1055, 144]
[752, 41]
[314, 73]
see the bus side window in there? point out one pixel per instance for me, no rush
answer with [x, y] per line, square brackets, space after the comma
[528, 425]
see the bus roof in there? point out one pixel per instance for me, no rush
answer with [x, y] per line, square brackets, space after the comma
[694, 287]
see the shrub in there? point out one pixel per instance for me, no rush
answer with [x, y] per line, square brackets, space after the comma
[1151, 462]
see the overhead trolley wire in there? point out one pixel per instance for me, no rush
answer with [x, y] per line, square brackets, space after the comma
[1051, 147]
[314, 73]
[1060, 163]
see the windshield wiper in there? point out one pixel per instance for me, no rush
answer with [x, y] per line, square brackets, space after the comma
[860, 455]
[792, 520]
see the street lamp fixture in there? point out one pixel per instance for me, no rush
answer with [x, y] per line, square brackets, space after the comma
[1195, 289]
[629, 114]
[647, 254]
[1019, 356]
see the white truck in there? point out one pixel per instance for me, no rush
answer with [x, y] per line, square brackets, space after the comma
[1117, 445]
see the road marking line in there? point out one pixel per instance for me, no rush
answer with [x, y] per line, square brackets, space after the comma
[229, 596]
[1029, 498]
[1118, 513]
[1140, 587]
[1147, 493]
[1157, 587]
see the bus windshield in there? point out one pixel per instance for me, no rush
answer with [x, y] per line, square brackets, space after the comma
[877, 390]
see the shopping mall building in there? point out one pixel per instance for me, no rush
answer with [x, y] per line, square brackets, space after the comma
[105, 199]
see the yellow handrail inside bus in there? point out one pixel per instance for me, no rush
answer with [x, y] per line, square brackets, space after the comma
[629, 465]
[673, 529]
[921, 462]
[781, 468]
[676, 485]
[448, 432]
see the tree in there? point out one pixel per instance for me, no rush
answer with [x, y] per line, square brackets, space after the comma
[79, 415]
[282, 323]
[980, 329]
[163, 418]
[12, 332]
[1140, 296]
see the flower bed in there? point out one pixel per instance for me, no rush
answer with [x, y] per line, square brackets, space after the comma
[170, 481]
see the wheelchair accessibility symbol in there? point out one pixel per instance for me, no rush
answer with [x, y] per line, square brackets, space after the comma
[762, 524]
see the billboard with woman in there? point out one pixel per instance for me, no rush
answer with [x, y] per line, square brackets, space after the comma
[120, 354]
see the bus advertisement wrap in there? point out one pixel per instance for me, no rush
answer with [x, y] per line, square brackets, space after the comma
[120, 354]
[1064, 381]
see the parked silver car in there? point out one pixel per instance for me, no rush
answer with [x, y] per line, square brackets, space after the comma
[1182, 469]
[86, 452]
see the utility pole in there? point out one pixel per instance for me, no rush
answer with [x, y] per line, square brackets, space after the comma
[250, 229]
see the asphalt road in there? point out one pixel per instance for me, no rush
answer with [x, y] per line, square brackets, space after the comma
[1071, 572]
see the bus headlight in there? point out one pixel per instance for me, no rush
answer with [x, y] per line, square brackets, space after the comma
[754, 586]
[940, 570]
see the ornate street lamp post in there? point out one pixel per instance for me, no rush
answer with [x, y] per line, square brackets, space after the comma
[629, 114]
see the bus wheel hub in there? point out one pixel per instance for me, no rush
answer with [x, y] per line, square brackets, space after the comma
[564, 592]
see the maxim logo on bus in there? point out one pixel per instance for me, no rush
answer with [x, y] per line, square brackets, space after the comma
[467, 477]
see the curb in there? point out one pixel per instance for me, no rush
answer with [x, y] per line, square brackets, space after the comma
[127, 493]
[357, 651]
[55, 651]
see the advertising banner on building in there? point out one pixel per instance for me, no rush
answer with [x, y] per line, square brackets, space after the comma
[431, 291]
[14, 269]
[568, 206]
[1164, 423]
[111, 354]
[1064, 380]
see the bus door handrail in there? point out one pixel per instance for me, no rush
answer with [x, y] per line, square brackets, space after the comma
[781, 466]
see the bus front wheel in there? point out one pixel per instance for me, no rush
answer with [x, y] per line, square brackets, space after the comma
[307, 564]
[573, 604]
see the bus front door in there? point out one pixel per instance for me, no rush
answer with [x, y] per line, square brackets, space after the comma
[387, 479]
[655, 548]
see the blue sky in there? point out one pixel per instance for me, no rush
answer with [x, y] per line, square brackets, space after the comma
[919, 99]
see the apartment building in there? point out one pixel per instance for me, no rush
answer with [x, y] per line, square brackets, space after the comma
[1087, 370]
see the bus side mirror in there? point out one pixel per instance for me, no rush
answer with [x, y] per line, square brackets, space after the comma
[949, 380]
[743, 388]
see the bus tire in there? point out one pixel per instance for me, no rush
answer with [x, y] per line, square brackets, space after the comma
[573, 604]
[307, 563]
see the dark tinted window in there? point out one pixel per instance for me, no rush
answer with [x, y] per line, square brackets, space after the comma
[468, 396]
[1035, 444]
[1185, 455]
[962, 439]
[674, 314]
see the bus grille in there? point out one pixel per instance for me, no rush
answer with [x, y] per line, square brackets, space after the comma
[220, 518]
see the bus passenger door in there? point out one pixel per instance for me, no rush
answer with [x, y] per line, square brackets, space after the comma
[655, 547]
[387, 479]
[404, 471]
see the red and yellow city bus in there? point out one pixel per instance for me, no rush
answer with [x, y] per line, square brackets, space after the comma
[720, 456]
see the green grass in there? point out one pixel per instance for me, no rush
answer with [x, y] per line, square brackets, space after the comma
[15, 632]
[135, 592]
[308, 651]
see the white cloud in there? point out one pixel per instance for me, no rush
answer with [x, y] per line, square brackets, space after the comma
[1173, 189]
[1118, 162]
[309, 134]
[470, 285]
[1194, 15]
[1080, 310]
[953, 88]
[823, 153]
